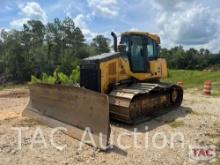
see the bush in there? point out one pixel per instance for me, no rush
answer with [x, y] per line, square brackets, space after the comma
[58, 78]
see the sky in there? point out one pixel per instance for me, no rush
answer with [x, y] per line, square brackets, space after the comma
[190, 23]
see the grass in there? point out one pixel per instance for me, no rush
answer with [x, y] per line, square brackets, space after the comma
[11, 86]
[194, 113]
[201, 113]
[195, 79]
[191, 79]
[176, 124]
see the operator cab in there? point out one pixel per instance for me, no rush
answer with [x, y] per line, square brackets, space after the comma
[140, 48]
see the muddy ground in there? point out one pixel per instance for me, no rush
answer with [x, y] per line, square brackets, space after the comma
[198, 120]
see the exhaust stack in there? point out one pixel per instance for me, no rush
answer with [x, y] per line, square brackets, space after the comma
[115, 40]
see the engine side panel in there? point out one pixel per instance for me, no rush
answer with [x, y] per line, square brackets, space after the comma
[99, 72]
[118, 69]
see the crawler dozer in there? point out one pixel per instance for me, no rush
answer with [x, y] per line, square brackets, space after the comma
[123, 85]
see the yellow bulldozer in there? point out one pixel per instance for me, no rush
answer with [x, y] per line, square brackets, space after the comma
[123, 85]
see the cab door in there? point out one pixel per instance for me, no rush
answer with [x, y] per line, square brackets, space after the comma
[138, 54]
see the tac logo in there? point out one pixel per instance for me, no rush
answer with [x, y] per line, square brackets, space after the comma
[202, 153]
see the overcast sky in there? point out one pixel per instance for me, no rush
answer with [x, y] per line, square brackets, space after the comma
[191, 23]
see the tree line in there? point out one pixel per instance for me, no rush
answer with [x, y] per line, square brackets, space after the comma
[39, 48]
[178, 58]
[59, 45]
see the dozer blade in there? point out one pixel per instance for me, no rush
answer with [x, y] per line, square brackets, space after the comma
[72, 108]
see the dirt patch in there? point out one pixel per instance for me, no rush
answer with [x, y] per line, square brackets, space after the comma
[25, 122]
[197, 120]
[14, 93]
[177, 124]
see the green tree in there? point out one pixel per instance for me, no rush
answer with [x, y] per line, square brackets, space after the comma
[60, 45]
[101, 44]
[15, 61]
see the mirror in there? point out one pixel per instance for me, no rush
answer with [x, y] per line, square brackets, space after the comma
[122, 48]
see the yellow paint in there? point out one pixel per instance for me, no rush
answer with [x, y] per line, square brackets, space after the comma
[148, 35]
[120, 70]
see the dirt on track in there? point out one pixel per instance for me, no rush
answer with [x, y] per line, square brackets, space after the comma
[198, 120]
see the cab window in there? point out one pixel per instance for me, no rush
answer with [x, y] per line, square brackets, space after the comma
[151, 49]
[137, 54]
